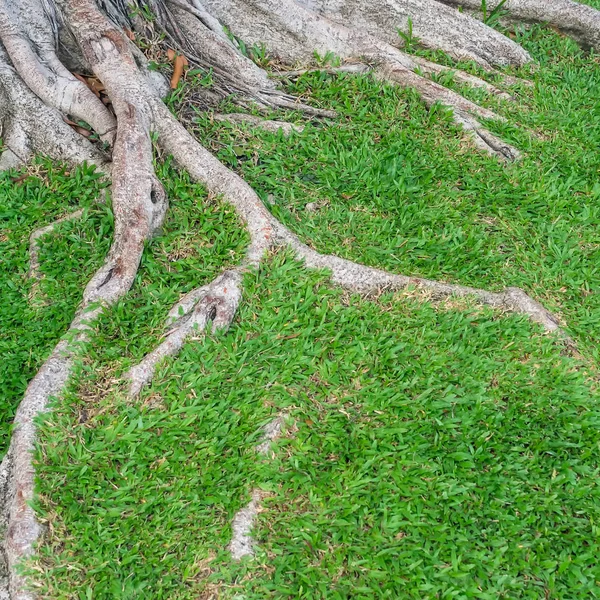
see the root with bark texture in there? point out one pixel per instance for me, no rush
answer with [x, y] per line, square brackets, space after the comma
[293, 32]
[579, 21]
[242, 543]
[37, 91]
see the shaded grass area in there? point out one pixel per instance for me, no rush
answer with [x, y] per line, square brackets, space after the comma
[430, 451]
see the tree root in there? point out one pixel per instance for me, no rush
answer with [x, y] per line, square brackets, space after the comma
[433, 24]
[241, 543]
[23, 530]
[139, 204]
[27, 34]
[221, 298]
[267, 125]
[32, 122]
[29, 126]
[425, 66]
[579, 21]
[34, 257]
[369, 281]
[293, 32]
[216, 302]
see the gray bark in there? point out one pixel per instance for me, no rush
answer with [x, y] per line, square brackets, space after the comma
[579, 21]
[433, 25]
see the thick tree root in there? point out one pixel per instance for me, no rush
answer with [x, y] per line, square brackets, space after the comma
[579, 21]
[139, 204]
[28, 126]
[28, 40]
[293, 32]
[241, 543]
[432, 23]
[32, 122]
[23, 530]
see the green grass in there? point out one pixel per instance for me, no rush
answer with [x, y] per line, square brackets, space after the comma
[431, 451]
[28, 332]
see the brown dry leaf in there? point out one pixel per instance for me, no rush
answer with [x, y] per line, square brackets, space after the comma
[171, 53]
[80, 77]
[95, 85]
[19, 180]
[129, 34]
[83, 131]
[180, 62]
[69, 122]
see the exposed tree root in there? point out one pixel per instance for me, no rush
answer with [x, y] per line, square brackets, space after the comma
[221, 298]
[28, 40]
[28, 126]
[293, 32]
[579, 21]
[266, 124]
[427, 67]
[37, 90]
[457, 34]
[34, 256]
[139, 205]
[242, 544]
[216, 302]
[370, 281]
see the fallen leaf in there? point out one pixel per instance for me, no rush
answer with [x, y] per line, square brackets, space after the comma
[95, 85]
[83, 131]
[180, 62]
[171, 53]
[20, 179]
[80, 77]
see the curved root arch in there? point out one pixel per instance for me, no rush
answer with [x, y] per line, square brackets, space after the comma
[43, 39]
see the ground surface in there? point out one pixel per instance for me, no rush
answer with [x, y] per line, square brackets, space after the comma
[430, 451]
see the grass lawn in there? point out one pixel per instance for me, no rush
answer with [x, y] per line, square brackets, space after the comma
[430, 450]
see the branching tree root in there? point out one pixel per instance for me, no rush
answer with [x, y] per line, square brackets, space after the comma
[44, 41]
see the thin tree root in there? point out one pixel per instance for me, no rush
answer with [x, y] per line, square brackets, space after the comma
[267, 125]
[425, 66]
[267, 233]
[465, 113]
[462, 110]
[34, 257]
[369, 281]
[241, 543]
